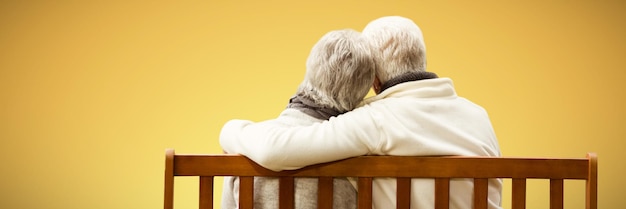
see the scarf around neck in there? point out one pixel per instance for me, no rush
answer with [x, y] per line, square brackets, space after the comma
[407, 77]
[309, 107]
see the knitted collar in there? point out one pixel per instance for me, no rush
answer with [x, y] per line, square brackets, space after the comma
[309, 107]
[407, 77]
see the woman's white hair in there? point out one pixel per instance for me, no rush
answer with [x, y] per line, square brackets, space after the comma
[397, 46]
[339, 70]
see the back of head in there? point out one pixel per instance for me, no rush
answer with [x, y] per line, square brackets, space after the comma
[397, 46]
[340, 70]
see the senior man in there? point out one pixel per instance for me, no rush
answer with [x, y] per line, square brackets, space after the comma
[415, 113]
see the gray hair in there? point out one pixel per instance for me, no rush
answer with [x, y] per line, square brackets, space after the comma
[339, 70]
[397, 46]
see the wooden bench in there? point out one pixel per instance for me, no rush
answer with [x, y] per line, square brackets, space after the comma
[365, 168]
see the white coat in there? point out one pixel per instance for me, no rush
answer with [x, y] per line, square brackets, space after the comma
[417, 118]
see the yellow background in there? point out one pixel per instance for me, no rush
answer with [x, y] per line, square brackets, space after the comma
[92, 92]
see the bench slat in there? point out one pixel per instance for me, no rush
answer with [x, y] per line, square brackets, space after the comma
[285, 193]
[403, 193]
[394, 166]
[556, 193]
[364, 193]
[481, 189]
[325, 193]
[442, 193]
[206, 192]
[518, 192]
[246, 192]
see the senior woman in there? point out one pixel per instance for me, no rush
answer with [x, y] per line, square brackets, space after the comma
[339, 73]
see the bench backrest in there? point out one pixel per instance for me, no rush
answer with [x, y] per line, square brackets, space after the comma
[403, 168]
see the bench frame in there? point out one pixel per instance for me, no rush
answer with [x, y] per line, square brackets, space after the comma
[365, 168]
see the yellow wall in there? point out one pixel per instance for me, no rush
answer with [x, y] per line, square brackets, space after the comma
[92, 92]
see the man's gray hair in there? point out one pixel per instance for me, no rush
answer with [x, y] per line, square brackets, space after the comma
[339, 70]
[397, 46]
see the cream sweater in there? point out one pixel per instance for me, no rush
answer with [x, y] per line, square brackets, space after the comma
[418, 118]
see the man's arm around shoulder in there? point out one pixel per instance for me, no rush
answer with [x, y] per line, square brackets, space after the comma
[286, 148]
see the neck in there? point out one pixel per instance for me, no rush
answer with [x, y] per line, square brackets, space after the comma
[407, 77]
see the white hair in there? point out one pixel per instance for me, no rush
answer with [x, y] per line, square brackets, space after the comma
[339, 70]
[397, 46]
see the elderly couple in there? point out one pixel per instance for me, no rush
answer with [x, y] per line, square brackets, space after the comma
[415, 113]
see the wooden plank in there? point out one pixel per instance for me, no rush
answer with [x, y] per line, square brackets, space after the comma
[481, 189]
[442, 193]
[556, 193]
[286, 192]
[395, 166]
[365, 193]
[592, 182]
[518, 192]
[246, 192]
[206, 192]
[403, 193]
[325, 193]
[168, 200]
